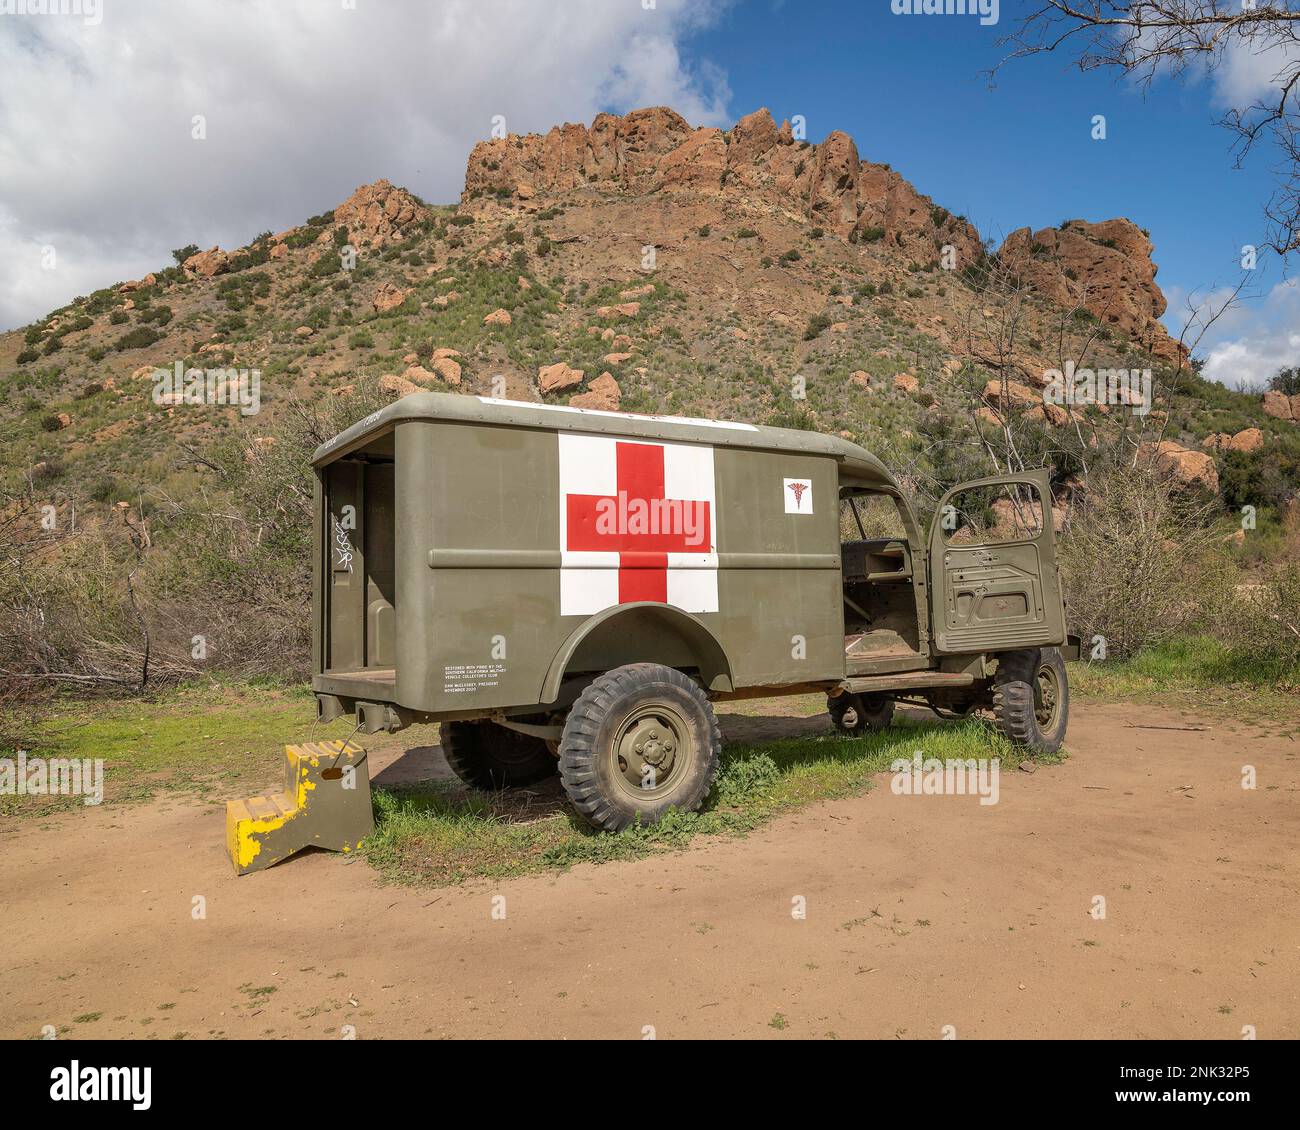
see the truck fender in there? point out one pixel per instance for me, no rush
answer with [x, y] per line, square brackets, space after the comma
[639, 632]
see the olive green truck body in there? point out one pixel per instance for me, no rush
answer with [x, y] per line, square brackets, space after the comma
[485, 559]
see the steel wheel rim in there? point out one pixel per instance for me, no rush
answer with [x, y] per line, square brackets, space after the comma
[1047, 697]
[651, 750]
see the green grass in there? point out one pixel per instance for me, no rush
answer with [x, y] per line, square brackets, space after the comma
[441, 835]
[1196, 670]
[200, 738]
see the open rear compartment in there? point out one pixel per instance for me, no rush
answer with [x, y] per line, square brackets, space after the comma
[358, 593]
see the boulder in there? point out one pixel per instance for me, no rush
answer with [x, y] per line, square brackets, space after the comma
[1247, 440]
[388, 297]
[205, 264]
[1278, 405]
[447, 369]
[620, 310]
[603, 393]
[1013, 392]
[497, 318]
[397, 387]
[558, 377]
[1187, 468]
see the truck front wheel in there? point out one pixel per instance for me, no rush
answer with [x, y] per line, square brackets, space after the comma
[640, 740]
[1031, 698]
[490, 757]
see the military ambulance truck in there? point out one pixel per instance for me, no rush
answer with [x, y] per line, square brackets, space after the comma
[567, 589]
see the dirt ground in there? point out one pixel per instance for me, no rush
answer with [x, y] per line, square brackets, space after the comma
[921, 913]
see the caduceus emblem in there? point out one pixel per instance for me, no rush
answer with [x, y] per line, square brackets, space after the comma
[798, 489]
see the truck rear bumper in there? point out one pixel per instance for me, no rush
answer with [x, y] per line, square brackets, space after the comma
[378, 684]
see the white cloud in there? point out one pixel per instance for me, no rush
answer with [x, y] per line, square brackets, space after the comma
[303, 100]
[1247, 73]
[1253, 343]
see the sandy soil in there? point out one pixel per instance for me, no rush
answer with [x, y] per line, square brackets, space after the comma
[922, 912]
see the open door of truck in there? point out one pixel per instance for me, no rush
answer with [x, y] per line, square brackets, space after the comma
[994, 583]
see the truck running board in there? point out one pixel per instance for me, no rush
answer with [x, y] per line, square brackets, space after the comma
[906, 681]
[325, 804]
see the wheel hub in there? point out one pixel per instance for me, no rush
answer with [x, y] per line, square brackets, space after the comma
[648, 747]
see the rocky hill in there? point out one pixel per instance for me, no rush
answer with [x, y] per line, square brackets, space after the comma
[643, 264]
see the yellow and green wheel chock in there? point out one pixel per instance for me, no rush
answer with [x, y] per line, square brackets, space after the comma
[325, 804]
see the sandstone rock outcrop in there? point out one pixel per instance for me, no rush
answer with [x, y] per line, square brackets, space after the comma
[656, 150]
[1103, 268]
[379, 214]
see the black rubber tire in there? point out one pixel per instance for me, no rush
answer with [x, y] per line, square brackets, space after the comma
[490, 757]
[589, 760]
[855, 714]
[1017, 701]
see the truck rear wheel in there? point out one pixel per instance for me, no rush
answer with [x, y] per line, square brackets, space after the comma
[1031, 698]
[858, 713]
[640, 740]
[490, 757]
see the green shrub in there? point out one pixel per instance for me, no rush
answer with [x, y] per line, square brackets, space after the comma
[137, 338]
[816, 324]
